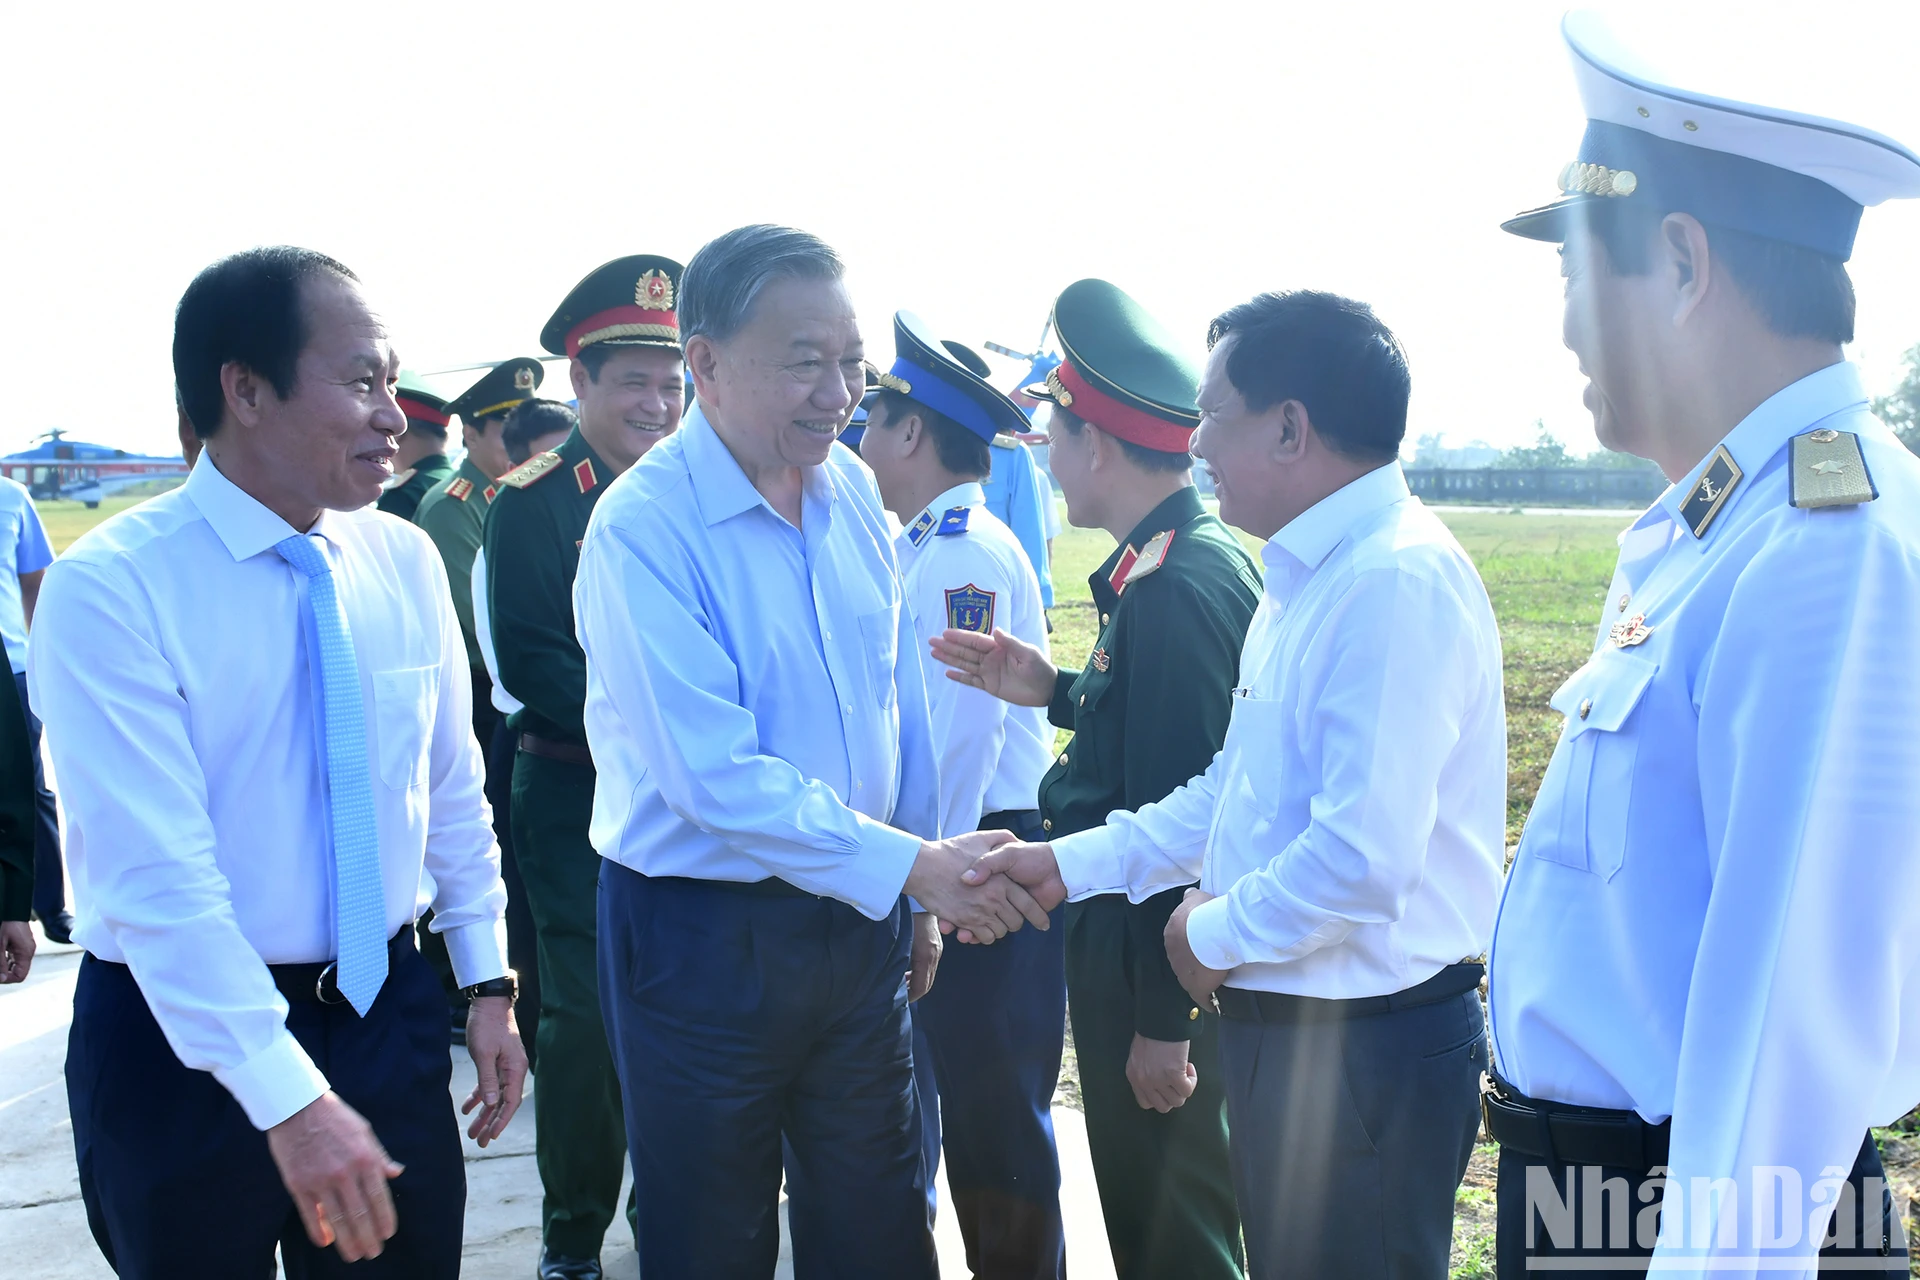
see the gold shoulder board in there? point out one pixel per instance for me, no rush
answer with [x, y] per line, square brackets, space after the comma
[530, 470]
[1829, 470]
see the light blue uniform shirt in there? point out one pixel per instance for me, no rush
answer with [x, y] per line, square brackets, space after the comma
[755, 701]
[23, 549]
[1711, 914]
[1019, 495]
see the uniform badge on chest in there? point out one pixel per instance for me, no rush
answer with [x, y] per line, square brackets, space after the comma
[1625, 635]
[1100, 660]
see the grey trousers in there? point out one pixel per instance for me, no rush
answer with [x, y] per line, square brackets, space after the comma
[1351, 1136]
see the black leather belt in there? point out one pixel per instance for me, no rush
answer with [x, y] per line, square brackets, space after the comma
[548, 749]
[1275, 1006]
[1569, 1134]
[317, 983]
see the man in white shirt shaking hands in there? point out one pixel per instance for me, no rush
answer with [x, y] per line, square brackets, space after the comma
[264, 740]
[1349, 838]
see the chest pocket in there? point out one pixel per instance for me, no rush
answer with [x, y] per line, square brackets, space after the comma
[880, 636]
[1588, 791]
[403, 711]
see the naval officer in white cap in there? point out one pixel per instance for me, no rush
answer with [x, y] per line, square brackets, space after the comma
[1707, 963]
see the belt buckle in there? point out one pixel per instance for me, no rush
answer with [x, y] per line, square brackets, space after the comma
[326, 987]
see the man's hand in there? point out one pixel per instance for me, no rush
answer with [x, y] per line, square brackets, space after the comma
[926, 954]
[1200, 982]
[500, 1063]
[984, 909]
[1006, 667]
[1031, 866]
[337, 1174]
[1160, 1074]
[16, 951]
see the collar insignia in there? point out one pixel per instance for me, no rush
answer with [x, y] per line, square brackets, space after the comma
[1118, 580]
[489, 491]
[1710, 492]
[917, 532]
[1828, 470]
[970, 609]
[583, 475]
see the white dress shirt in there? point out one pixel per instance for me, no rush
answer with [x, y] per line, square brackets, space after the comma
[503, 702]
[754, 702]
[1711, 914]
[992, 754]
[1353, 824]
[173, 675]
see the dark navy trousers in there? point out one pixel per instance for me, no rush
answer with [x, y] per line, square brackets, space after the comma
[739, 1016]
[994, 1024]
[49, 876]
[179, 1185]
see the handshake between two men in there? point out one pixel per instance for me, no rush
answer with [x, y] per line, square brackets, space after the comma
[985, 885]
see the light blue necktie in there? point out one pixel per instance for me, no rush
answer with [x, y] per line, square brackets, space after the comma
[360, 910]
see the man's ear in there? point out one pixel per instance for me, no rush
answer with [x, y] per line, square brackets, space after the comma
[1101, 447]
[245, 391]
[1292, 427]
[1687, 261]
[702, 359]
[913, 430]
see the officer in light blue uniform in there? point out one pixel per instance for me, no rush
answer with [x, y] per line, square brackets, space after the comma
[1017, 491]
[993, 1022]
[1705, 978]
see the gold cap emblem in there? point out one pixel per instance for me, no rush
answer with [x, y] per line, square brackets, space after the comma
[654, 292]
[523, 379]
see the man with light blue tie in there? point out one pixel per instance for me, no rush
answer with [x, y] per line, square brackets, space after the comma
[767, 797]
[264, 743]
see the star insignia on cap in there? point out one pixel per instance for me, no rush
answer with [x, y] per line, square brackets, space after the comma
[654, 292]
[523, 379]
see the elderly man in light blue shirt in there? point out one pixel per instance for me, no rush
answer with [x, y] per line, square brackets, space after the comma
[767, 795]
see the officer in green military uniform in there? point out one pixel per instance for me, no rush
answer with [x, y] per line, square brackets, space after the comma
[619, 331]
[1148, 712]
[422, 461]
[453, 513]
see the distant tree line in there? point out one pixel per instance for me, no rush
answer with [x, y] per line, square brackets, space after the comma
[1547, 450]
[1900, 408]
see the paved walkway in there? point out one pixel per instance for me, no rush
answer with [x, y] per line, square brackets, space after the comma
[43, 1228]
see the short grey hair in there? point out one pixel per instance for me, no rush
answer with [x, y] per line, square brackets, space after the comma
[724, 280]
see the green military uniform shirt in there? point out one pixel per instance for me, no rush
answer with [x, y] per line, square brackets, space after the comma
[16, 807]
[408, 487]
[454, 514]
[532, 536]
[1149, 711]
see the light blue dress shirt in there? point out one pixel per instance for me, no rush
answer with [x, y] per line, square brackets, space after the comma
[1711, 914]
[23, 549]
[755, 701]
[1019, 494]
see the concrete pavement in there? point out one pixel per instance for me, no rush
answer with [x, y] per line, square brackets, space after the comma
[43, 1227]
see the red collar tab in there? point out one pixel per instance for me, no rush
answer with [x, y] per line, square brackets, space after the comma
[583, 475]
[1116, 418]
[1118, 578]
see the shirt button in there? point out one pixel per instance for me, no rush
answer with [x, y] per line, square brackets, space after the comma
[828, 635]
[1193, 1015]
[848, 708]
[1104, 619]
[1063, 757]
[1586, 706]
[1624, 601]
[1083, 699]
[1047, 825]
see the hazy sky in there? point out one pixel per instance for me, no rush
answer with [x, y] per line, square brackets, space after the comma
[472, 161]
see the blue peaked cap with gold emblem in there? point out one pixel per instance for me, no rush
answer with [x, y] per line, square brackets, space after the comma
[926, 371]
[1769, 172]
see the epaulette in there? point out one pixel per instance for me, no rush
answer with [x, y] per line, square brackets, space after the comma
[395, 480]
[1006, 440]
[955, 521]
[532, 469]
[1827, 469]
[1135, 566]
[460, 488]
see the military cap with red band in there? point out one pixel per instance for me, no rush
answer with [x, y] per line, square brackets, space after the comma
[418, 403]
[626, 303]
[499, 390]
[1120, 369]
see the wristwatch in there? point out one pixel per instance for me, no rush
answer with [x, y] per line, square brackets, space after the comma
[508, 985]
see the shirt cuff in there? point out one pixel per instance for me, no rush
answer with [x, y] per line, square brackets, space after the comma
[1090, 862]
[1210, 935]
[274, 1083]
[874, 878]
[478, 951]
[1060, 709]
